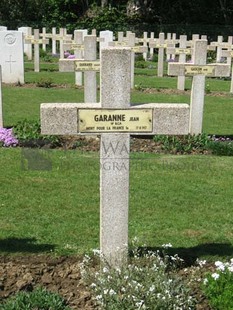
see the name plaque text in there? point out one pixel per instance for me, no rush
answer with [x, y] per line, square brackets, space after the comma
[202, 70]
[87, 65]
[108, 120]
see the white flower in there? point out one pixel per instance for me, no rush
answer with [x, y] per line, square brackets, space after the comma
[105, 270]
[205, 281]
[99, 297]
[96, 252]
[139, 304]
[166, 245]
[93, 285]
[201, 263]
[152, 288]
[220, 265]
[112, 292]
[215, 276]
[230, 268]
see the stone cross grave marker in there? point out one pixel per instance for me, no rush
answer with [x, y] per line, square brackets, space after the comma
[227, 50]
[64, 38]
[77, 45]
[89, 65]
[11, 57]
[152, 36]
[36, 41]
[55, 37]
[1, 114]
[27, 31]
[114, 119]
[105, 37]
[43, 35]
[160, 45]
[182, 51]
[199, 70]
[171, 41]
[223, 49]
[130, 41]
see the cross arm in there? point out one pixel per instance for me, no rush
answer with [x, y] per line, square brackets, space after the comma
[62, 118]
[211, 70]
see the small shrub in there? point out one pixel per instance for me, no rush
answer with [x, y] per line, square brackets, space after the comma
[183, 144]
[147, 282]
[221, 146]
[39, 299]
[218, 286]
[207, 89]
[45, 82]
[140, 64]
[138, 87]
[30, 132]
[155, 57]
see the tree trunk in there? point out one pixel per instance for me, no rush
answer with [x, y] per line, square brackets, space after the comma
[104, 3]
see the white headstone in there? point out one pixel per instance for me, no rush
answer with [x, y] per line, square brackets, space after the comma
[11, 56]
[3, 28]
[27, 31]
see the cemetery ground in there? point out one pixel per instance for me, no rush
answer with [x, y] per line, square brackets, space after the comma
[50, 207]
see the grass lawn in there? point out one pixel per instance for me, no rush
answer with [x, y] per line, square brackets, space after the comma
[184, 200]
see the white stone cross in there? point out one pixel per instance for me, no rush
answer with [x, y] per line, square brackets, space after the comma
[160, 45]
[130, 41]
[182, 51]
[171, 41]
[10, 61]
[114, 119]
[88, 65]
[199, 70]
[77, 45]
[36, 41]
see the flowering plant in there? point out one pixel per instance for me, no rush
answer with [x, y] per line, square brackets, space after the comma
[7, 137]
[218, 286]
[147, 282]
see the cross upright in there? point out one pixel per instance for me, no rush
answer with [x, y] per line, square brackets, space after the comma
[198, 70]
[10, 62]
[36, 41]
[114, 119]
[88, 65]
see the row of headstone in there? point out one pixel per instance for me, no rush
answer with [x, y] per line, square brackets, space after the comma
[106, 38]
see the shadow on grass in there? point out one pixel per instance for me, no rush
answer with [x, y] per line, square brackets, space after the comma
[210, 251]
[26, 245]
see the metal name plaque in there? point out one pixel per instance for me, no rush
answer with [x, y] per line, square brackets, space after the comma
[202, 70]
[108, 120]
[86, 65]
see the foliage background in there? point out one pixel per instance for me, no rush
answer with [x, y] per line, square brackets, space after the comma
[209, 17]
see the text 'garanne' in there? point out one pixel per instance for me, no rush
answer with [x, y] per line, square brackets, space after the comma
[109, 118]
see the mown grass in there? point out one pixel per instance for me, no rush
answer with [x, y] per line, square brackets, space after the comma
[184, 200]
